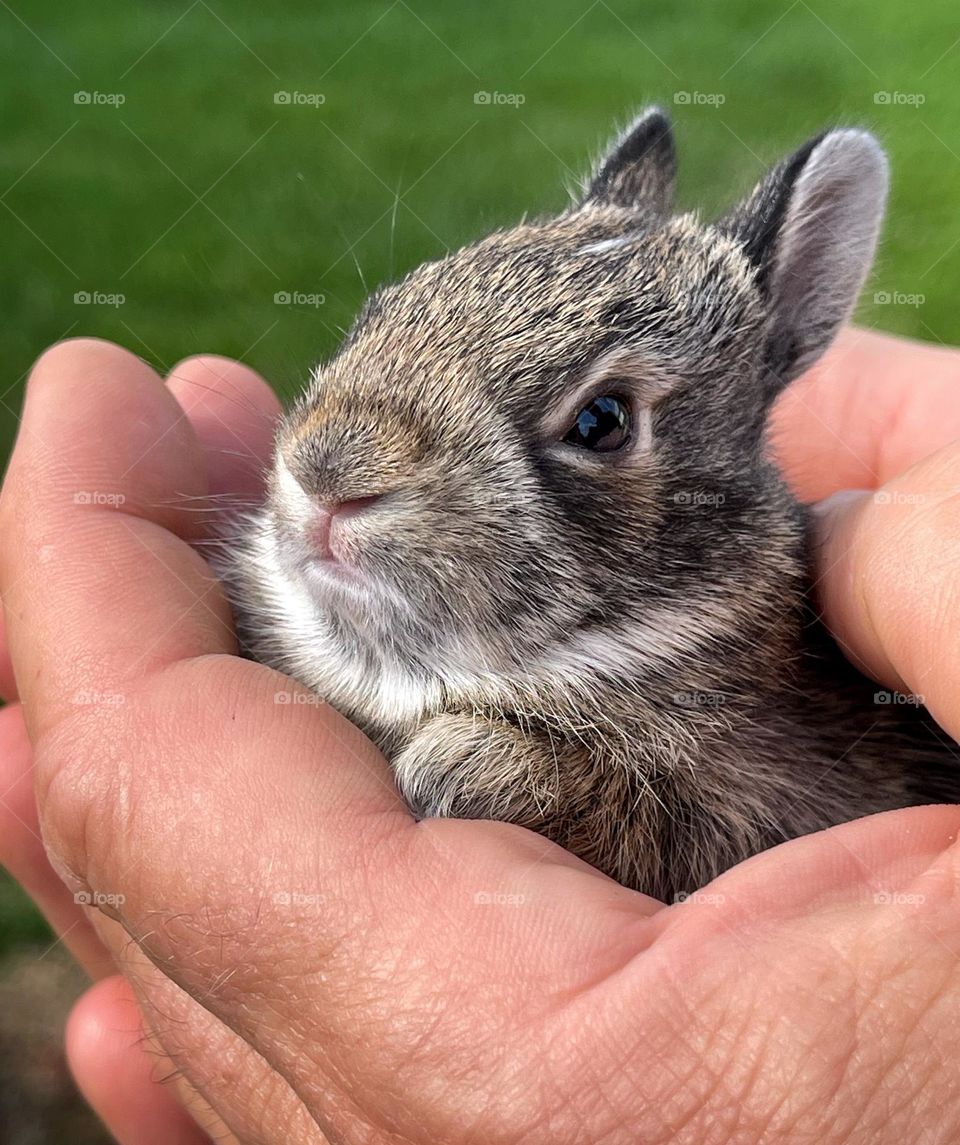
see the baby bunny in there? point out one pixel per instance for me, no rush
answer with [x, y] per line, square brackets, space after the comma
[522, 529]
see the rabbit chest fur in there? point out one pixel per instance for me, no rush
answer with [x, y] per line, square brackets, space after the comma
[523, 530]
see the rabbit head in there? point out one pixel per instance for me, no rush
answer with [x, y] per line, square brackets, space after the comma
[542, 456]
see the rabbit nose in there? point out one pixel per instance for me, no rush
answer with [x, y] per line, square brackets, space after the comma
[325, 515]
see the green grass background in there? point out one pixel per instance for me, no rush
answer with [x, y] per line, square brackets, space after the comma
[400, 162]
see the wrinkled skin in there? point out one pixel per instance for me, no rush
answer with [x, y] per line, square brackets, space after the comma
[319, 966]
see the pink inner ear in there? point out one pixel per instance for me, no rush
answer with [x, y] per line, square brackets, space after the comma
[827, 242]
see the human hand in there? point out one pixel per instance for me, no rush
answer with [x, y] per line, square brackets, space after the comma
[875, 430]
[232, 413]
[330, 965]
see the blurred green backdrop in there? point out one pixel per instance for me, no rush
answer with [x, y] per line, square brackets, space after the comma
[232, 176]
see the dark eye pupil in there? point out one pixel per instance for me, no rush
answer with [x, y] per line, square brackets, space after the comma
[603, 425]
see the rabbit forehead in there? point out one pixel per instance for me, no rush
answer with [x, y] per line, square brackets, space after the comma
[525, 310]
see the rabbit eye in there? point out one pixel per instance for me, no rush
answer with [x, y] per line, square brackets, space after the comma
[601, 426]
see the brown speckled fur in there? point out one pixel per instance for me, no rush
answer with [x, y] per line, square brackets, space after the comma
[615, 650]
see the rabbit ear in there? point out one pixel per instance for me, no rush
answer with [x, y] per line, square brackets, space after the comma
[638, 170]
[810, 229]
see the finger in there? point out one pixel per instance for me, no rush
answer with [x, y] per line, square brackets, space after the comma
[23, 854]
[234, 413]
[96, 590]
[888, 567]
[843, 866]
[870, 409]
[8, 685]
[118, 1072]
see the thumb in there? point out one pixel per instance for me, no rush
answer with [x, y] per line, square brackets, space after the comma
[887, 567]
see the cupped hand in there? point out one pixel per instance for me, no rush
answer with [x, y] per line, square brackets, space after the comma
[232, 412]
[319, 966]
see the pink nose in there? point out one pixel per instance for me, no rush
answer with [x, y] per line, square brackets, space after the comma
[324, 517]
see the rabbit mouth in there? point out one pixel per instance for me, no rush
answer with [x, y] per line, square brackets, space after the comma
[338, 584]
[330, 573]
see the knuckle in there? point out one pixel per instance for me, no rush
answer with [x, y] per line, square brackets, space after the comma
[85, 794]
